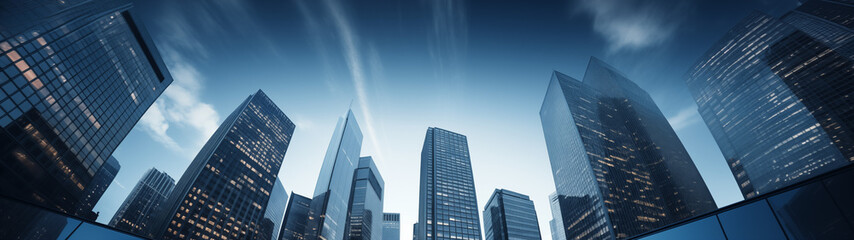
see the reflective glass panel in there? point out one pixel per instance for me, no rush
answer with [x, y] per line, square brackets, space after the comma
[704, 229]
[809, 213]
[752, 221]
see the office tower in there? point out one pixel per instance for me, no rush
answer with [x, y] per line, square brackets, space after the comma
[615, 157]
[296, 217]
[96, 188]
[777, 97]
[366, 202]
[223, 194]
[447, 205]
[556, 224]
[136, 214]
[275, 211]
[510, 215]
[75, 79]
[328, 216]
[391, 226]
[415, 231]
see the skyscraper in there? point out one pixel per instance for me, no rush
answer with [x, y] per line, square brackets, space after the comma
[328, 216]
[447, 205]
[136, 214]
[366, 202]
[275, 211]
[614, 156]
[556, 224]
[223, 194]
[75, 79]
[777, 96]
[391, 226]
[510, 215]
[296, 218]
[99, 184]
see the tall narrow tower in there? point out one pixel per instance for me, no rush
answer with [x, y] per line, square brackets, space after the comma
[615, 157]
[447, 206]
[327, 218]
[224, 192]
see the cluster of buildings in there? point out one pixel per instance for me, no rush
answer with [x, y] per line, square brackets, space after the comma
[775, 93]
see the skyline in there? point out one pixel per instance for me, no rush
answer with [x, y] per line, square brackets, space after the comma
[313, 124]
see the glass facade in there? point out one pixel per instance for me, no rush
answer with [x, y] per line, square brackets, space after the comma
[365, 220]
[330, 204]
[224, 192]
[447, 207]
[510, 215]
[818, 208]
[794, 72]
[75, 77]
[296, 217]
[96, 188]
[391, 226]
[556, 224]
[136, 213]
[42, 223]
[618, 166]
[275, 212]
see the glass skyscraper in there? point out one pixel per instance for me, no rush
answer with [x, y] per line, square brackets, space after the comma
[296, 218]
[556, 224]
[75, 77]
[391, 226]
[136, 213]
[510, 215]
[447, 207]
[99, 184]
[223, 194]
[777, 95]
[272, 222]
[330, 204]
[618, 166]
[366, 202]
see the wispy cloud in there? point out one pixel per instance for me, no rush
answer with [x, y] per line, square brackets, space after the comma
[180, 105]
[684, 118]
[449, 37]
[351, 47]
[634, 24]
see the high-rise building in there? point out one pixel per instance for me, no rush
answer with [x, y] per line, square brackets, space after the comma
[223, 194]
[556, 224]
[510, 215]
[275, 212]
[415, 231]
[296, 217]
[615, 157]
[447, 205]
[391, 226]
[777, 96]
[99, 184]
[365, 220]
[328, 216]
[75, 79]
[136, 213]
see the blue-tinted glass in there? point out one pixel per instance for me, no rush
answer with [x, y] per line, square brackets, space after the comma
[841, 188]
[809, 213]
[704, 229]
[752, 221]
[94, 232]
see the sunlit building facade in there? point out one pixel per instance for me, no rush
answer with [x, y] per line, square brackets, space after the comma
[447, 207]
[796, 74]
[510, 215]
[136, 213]
[75, 77]
[275, 212]
[617, 163]
[330, 204]
[391, 226]
[296, 218]
[224, 192]
[365, 220]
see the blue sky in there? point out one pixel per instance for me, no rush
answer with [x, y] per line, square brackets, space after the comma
[479, 68]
